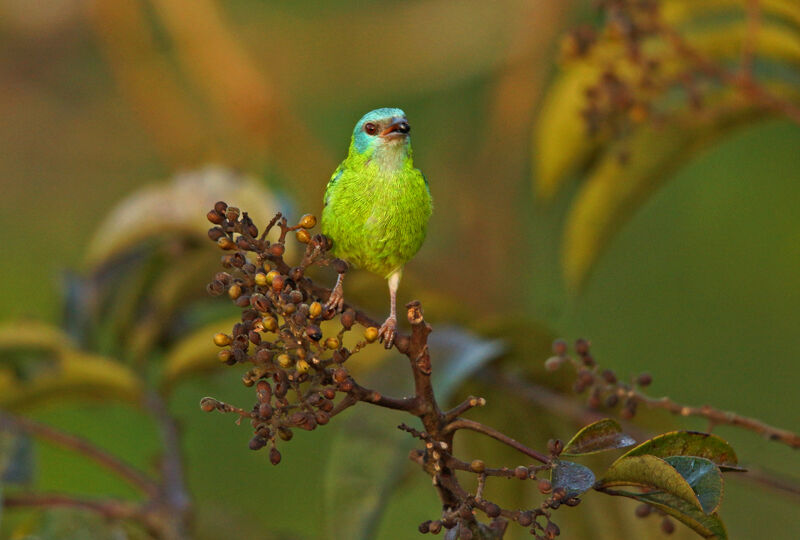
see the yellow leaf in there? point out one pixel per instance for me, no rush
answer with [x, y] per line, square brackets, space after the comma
[178, 207]
[616, 188]
[196, 353]
[73, 374]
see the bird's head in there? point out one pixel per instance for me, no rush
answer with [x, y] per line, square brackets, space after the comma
[383, 134]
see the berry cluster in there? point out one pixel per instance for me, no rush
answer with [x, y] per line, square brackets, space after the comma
[295, 368]
[645, 65]
[605, 389]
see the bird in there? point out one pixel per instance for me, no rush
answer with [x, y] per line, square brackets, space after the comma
[377, 206]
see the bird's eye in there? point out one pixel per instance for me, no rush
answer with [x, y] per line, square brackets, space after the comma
[370, 128]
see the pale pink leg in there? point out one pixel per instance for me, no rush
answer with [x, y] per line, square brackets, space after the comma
[388, 330]
[336, 299]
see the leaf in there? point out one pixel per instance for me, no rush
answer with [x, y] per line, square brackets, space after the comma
[691, 490]
[194, 354]
[605, 434]
[177, 207]
[72, 373]
[703, 476]
[29, 334]
[650, 473]
[617, 187]
[573, 477]
[688, 443]
[707, 526]
[355, 491]
[682, 11]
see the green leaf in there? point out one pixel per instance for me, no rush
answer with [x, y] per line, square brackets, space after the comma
[573, 477]
[688, 443]
[657, 482]
[707, 526]
[703, 476]
[605, 434]
[651, 473]
[355, 491]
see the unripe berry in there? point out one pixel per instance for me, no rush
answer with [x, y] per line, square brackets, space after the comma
[308, 221]
[477, 466]
[315, 310]
[284, 361]
[371, 334]
[234, 291]
[332, 343]
[302, 236]
[222, 340]
[271, 275]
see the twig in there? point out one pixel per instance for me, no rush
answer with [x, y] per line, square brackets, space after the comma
[718, 417]
[174, 492]
[463, 423]
[82, 446]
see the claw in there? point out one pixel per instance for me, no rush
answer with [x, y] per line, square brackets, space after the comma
[388, 331]
[335, 301]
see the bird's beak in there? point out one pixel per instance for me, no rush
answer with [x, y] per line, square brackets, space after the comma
[398, 128]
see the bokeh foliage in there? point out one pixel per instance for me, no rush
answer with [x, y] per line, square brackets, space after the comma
[699, 286]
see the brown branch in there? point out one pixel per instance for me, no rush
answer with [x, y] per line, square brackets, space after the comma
[570, 409]
[173, 488]
[374, 397]
[718, 417]
[108, 508]
[463, 407]
[463, 423]
[82, 446]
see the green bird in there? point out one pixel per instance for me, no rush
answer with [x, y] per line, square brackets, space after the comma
[377, 206]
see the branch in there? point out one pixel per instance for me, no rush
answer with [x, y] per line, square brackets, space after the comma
[718, 417]
[82, 446]
[463, 423]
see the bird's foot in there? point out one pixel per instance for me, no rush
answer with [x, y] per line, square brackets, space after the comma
[335, 301]
[388, 331]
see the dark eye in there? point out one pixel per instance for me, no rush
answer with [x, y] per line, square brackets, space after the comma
[370, 128]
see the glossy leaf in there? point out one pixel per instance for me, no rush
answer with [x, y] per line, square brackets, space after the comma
[650, 473]
[703, 476]
[605, 434]
[688, 443]
[707, 526]
[573, 477]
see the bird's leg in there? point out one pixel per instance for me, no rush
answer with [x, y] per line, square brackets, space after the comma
[336, 299]
[388, 330]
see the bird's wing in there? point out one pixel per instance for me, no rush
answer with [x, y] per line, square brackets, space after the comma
[334, 177]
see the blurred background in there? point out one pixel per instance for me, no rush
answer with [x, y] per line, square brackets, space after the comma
[589, 181]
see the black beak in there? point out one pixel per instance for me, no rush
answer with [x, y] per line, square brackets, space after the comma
[397, 126]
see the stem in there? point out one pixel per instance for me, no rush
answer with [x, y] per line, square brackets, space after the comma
[463, 423]
[82, 446]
